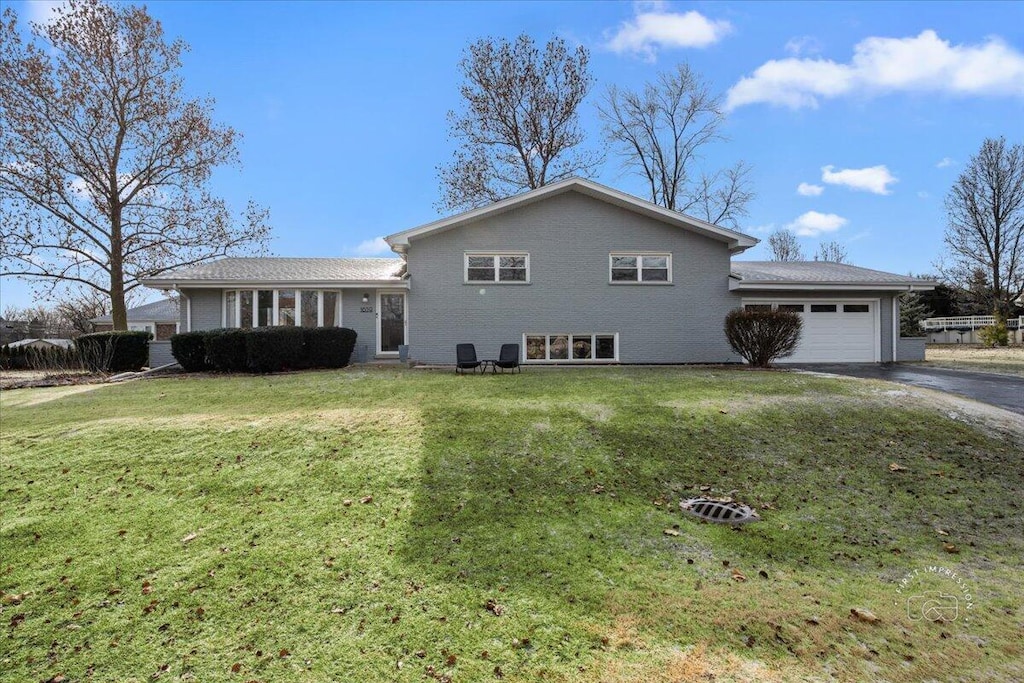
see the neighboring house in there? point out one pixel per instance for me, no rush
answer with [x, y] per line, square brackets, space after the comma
[42, 344]
[12, 330]
[574, 272]
[159, 318]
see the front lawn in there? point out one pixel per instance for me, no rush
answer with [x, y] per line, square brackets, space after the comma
[1005, 360]
[397, 525]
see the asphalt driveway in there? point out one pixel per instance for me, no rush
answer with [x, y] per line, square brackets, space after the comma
[1004, 391]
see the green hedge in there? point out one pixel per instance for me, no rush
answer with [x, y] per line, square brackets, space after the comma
[189, 349]
[23, 358]
[264, 349]
[121, 351]
[225, 350]
[329, 347]
[272, 349]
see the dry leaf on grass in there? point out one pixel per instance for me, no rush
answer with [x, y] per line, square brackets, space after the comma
[864, 615]
[737, 575]
[670, 532]
[191, 537]
[896, 467]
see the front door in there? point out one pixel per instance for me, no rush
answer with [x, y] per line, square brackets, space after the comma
[390, 322]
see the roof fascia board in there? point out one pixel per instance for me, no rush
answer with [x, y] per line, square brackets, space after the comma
[842, 286]
[737, 241]
[156, 283]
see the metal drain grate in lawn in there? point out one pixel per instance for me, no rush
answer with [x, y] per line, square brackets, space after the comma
[720, 511]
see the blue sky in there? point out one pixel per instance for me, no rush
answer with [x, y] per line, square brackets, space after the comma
[873, 107]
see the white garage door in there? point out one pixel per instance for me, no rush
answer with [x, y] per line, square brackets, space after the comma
[835, 331]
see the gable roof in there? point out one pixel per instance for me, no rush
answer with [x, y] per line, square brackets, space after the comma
[818, 274]
[283, 271]
[737, 241]
[164, 310]
[62, 343]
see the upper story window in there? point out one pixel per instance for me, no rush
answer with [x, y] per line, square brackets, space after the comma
[502, 267]
[640, 267]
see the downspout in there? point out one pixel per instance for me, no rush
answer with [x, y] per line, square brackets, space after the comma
[188, 307]
[895, 324]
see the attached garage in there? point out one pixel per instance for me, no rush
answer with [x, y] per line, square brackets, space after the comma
[834, 331]
[850, 314]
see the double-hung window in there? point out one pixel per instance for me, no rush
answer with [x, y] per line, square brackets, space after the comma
[645, 268]
[508, 267]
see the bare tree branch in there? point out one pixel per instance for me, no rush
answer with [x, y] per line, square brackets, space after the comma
[103, 162]
[519, 129]
[660, 133]
[831, 251]
[784, 246]
[985, 226]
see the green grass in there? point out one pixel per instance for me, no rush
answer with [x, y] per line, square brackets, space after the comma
[547, 493]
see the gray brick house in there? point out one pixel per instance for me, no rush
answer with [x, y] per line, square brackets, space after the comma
[574, 272]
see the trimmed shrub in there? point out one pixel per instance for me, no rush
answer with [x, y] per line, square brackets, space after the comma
[271, 349]
[225, 349]
[121, 351]
[761, 336]
[329, 347]
[189, 349]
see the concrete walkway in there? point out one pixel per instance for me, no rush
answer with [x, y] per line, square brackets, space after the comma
[1003, 391]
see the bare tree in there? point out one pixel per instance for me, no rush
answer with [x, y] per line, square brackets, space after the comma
[661, 133]
[831, 251]
[985, 229]
[103, 161]
[519, 127]
[78, 310]
[70, 317]
[784, 246]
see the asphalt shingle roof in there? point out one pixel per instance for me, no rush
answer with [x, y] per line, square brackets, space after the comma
[816, 272]
[165, 309]
[267, 269]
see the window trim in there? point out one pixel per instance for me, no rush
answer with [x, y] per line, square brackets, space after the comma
[275, 312]
[639, 256]
[576, 361]
[495, 255]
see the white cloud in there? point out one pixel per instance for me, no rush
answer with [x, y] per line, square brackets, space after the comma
[653, 27]
[804, 45]
[375, 247]
[923, 195]
[813, 223]
[945, 162]
[809, 190]
[923, 63]
[874, 179]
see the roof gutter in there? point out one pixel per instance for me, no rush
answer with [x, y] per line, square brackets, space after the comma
[272, 284]
[837, 286]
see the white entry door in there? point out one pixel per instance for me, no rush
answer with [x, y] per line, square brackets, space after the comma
[391, 322]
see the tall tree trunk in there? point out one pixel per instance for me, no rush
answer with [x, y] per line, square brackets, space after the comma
[118, 310]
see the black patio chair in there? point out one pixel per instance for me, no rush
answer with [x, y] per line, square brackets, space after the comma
[465, 358]
[508, 358]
